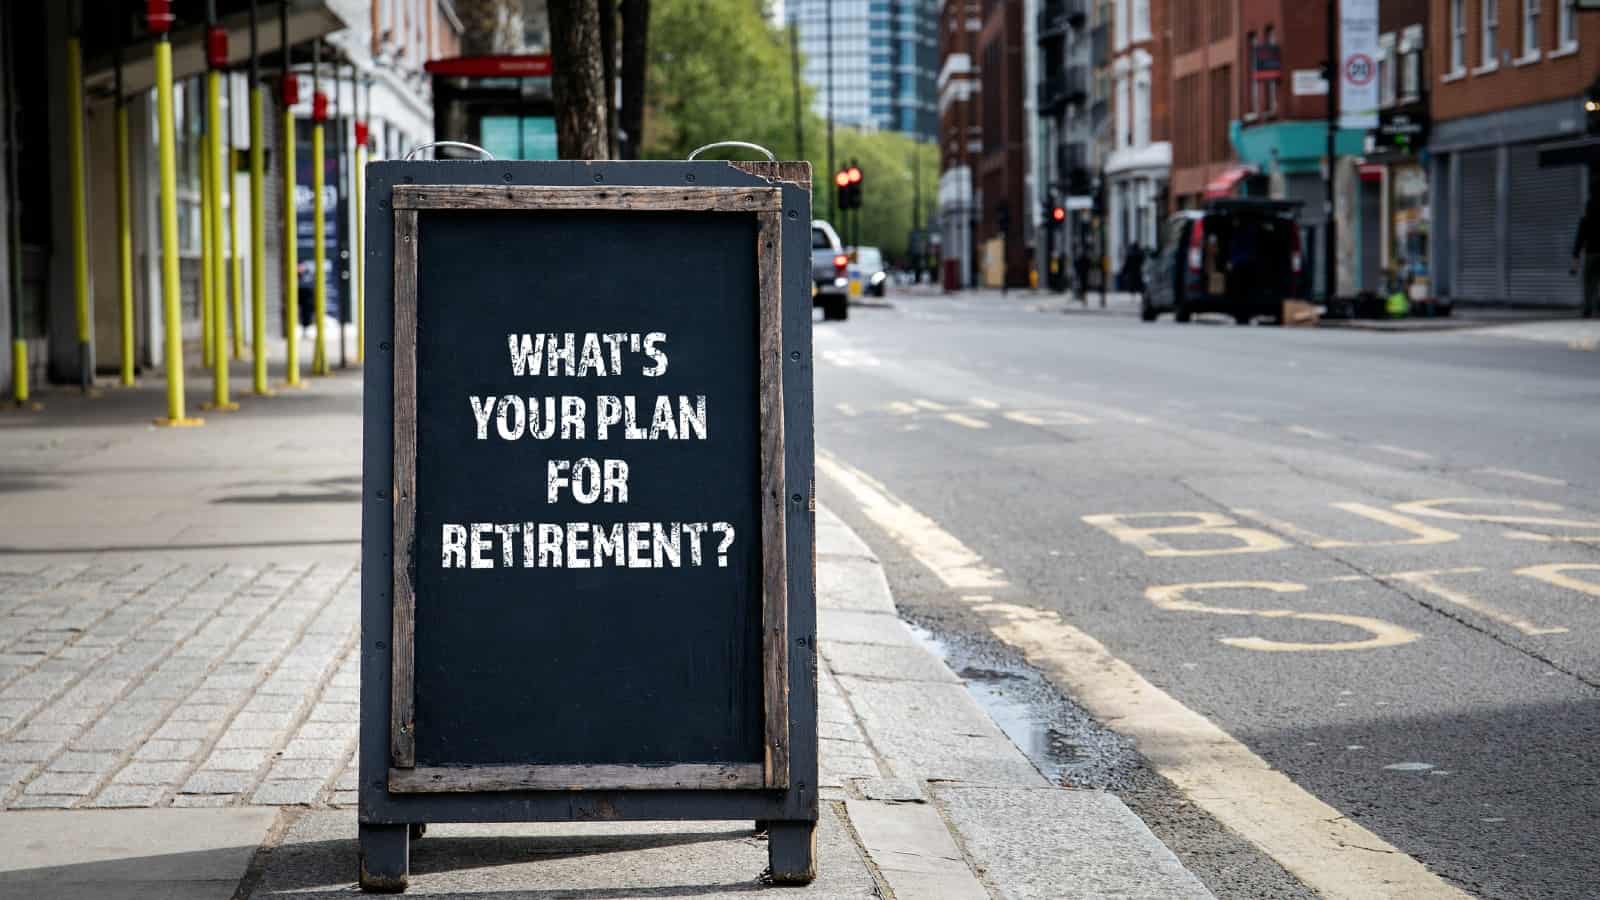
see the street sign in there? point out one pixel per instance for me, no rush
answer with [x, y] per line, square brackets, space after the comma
[587, 536]
[1358, 68]
[1308, 83]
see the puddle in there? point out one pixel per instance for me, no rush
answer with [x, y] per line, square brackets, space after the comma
[1061, 740]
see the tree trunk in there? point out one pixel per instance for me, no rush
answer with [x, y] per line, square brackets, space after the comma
[577, 80]
[608, 64]
[635, 50]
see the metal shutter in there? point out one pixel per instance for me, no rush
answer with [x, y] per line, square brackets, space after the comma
[1371, 221]
[1479, 251]
[1545, 205]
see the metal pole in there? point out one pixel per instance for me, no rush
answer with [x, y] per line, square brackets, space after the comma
[124, 222]
[291, 235]
[361, 230]
[833, 189]
[79, 201]
[172, 327]
[1330, 229]
[19, 343]
[794, 75]
[319, 228]
[258, 223]
[341, 149]
[218, 272]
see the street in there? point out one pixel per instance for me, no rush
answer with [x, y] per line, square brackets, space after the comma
[1370, 559]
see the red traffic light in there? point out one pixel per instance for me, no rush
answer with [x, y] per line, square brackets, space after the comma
[1058, 214]
[854, 174]
[842, 179]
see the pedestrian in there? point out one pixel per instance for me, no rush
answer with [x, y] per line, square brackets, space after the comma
[1586, 249]
[1133, 269]
[1080, 264]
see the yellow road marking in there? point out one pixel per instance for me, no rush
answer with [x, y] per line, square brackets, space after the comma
[845, 408]
[903, 408]
[1401, 451]
[1241, 417]
[1555, 574]
[1428, 580]
[981, 403]
[1424, 534]
[965, 420]
[1303, 431]
[1524, 476]
[1433, 508]
[1249, 540]
[931, 405]
[1174, 597]
[1047, 417]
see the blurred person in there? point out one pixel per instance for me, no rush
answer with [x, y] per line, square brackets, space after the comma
[1586, 250]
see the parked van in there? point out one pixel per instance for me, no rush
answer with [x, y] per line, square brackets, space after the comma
[1240, 257]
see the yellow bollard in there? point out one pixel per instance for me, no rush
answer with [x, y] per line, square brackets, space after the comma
[236, 265]
[291, 253]
[171, 325]
[361, 266]
[208, 306]
[258, 247]
[319, 353]
[219, 291]
[124, 230]
[80, 227]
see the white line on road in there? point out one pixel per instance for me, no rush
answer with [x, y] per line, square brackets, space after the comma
[1313, 840]
[1303, 431]
[929, 404]
[1401, 451]
[902, 407]
[1241, 417]
[845, 408]
[1524, 476]
[982, 403]
[965, 420]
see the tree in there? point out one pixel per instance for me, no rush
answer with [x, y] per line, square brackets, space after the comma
[577, 80]
[635, 59]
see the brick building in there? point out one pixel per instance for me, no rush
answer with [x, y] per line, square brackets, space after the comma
[960, 139]
[1204, 70]
[1506, 76]
[1001, 167]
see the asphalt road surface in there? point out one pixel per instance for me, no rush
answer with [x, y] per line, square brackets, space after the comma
[1371, 559]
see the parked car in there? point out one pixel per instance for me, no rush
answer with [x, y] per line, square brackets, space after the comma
[866, 269]
[1240, 257]
[830, 279]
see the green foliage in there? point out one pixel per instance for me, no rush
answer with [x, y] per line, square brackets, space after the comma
[720, 71]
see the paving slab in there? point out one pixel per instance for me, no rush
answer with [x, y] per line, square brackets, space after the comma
[317, 861]
[913, 849]
[1059, 844]
[889, 662]
[853, 627]
[128, 854]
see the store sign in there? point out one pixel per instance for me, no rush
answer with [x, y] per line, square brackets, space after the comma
[1267, 62]
[1358, 64]
[1308, 83]
[1403, 129]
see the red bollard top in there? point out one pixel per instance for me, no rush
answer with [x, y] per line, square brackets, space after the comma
[216, 46]
[361, 133]
[319, 107]
[290, 89]
[158, 16]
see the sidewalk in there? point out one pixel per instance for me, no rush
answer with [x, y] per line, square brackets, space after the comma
[178, 700]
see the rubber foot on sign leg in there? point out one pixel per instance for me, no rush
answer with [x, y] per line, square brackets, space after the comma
[791, 852]
[185, 422]
[225, 407]
[385, 858]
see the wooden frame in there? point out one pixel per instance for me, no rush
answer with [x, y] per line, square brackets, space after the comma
[765, 203]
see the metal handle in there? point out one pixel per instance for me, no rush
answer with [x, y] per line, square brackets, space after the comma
[421, 147]
[745, 144]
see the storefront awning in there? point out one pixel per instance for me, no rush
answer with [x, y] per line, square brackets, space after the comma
[1223, 185]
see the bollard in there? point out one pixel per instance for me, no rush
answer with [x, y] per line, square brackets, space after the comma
[235, 264]
[171, 326]
[258, 244]
[208, 307]
[219, 317]
[124, 229]
[80, 227]
[319, 252]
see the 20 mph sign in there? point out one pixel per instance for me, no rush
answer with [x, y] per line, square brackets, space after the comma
[1358, 48]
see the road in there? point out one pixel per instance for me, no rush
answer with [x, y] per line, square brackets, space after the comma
[1371, 560]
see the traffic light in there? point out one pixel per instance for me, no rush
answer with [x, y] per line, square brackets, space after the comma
[848, 181]
[1054, 214]
[841, 188]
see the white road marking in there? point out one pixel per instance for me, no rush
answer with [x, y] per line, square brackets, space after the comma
[1242, 417]
[1303, 431]
[965, 420]
[1042, 418]
[1428, 580]
[846, 409]
[930, 405]
[1314, 841]
[982, 403]
[1524, 476]
[903, 408]
[1401, 451]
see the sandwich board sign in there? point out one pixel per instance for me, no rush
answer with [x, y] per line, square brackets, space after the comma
[587, 533]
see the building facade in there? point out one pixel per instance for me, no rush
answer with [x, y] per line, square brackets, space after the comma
[1001, 169]
[884, 61]
[1064, 157]
[1140, 160]
[1506, 76]
[960, 141]
[1204, 82]
[1396, 212]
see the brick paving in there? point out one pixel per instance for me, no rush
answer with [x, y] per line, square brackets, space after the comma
[172, 684]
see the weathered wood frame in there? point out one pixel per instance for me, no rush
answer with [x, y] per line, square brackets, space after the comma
[765, 204]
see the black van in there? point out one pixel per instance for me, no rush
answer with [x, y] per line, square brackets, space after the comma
[1240, 257]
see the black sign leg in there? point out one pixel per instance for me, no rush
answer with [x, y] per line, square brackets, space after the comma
[792, 851]
[385, 858]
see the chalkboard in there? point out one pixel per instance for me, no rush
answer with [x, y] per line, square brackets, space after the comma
[592, 466]
[588, 586]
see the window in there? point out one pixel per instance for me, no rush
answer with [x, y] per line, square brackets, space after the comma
[1458, 35]
[1254, 106]
[1567, 25]
[1491, 34]
[1388, 74]
[1141, 21]
[1411, 64]
[1141, 109]
[1530, 28]
[1270, 37]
